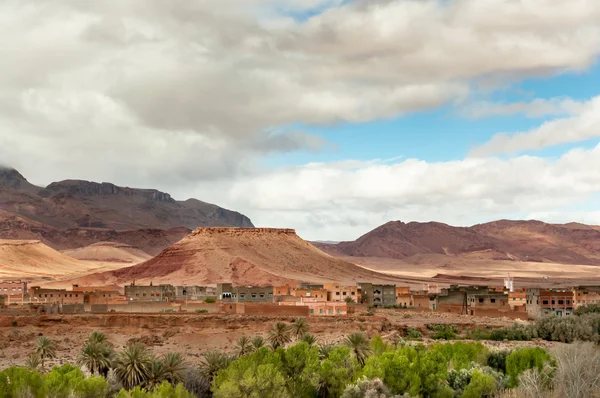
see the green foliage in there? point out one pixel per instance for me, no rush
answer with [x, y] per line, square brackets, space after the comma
[461, 355]
[413, 334]
[209, 300]
[523, 359]
[514, 333]
[349, 300]
[378, 346]
[212, 362]
[338, 370]
[481, 385]
[359, 344]
[309, 338]
[69, 381]
[443, 332]
[588, 309]
[497, 360]
[257, 343]
[132, 365]
[365, 388]
[21, 382]
[96, 356]
[45, 349]
[243, 346]
[164, 390]
[256, 375]
[300, 364]
[299, 327]
[569, 328]
[279, 335]
[201, 311]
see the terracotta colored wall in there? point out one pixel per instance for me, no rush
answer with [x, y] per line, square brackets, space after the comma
[491, 313]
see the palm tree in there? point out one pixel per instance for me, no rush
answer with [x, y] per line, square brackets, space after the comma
[97, 357]
[175, 367]
[132, 366]
[349, 300]
[308, 338]
[212, 362]
[279, 335]
[325, 349]
[45, 349]
[33, 361]
[359, 344]
[257, 343]
[243, 346]
[299, 327]
[156, 374]
[97, 337]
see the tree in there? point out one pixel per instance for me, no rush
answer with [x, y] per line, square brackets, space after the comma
[349, 300]
[32, 362]
[578, 371]
[156, 374]
[97, 337]
[365, 388]
[97, 357]
[337, 371]
[279, 335]
[300, 365]
[325, 349]
[299, 328]
[243, 346]
[481, 386]
[359, 344]
[132, 365]
[45, 349]
[212, 362]
[308, 338]
[175, 367]
[21, 382]
[257, 343]
[523, 359]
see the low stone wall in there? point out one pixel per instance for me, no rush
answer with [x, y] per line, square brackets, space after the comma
[492, 313]
[265, 309]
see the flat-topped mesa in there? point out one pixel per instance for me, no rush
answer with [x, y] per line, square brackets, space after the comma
[242, 231]
[90, 188]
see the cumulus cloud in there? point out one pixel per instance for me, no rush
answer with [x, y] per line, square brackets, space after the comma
[536, 108]
[344, 200]
[579, 127]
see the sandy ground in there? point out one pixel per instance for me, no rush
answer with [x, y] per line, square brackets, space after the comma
[194, 334]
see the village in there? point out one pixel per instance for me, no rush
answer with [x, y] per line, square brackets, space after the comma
[300, 299]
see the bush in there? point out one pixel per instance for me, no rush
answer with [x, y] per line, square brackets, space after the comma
[524, 359]
[413, 334]
[201, 311]
[478, 334]
[167, 310]
[588, 309]
[443, 332]
[568, 329]
[514, 333]
[497, 360]
[481, 385]
[209, 300]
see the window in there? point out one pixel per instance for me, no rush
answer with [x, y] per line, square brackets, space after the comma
[545, 302]
[262, 296]
[242, 296]
[337, 293]
[553, 302]
[253, 296]
[270, 294]
[330, 311]
[353, 293]
[493, 300]
[137, 295]
[344, 293]
[561, 301]
[481, 300]
[320, 310]
[312, 310]
[144, 294]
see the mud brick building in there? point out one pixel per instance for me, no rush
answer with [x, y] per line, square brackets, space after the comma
[245, 294]
[586, 295]
[150, 293]
[337, 292]
[55, 296]
[378, 295]
[13, 291]
[195, 293]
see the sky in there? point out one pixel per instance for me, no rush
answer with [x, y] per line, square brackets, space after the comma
[328, 116]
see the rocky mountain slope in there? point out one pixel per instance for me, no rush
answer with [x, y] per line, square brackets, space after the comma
[85, 204]
[498, 240]
[241, 256]
[113, 252]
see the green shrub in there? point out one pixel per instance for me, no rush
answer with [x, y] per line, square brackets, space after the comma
[569, 328]
[478, 334]
[443, 332]
[201, 311]
[413, 334]
[209, 300]
[514, 333]
[524, 359]
[497, 360]
[588, 309]
[168, 310]
[481, 385]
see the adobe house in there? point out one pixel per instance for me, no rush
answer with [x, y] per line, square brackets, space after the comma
[13, 291]
[378, 295]
[337, 292]
[55, 296]
[151, 292]
[586, 295]
[543, 302]
[226, 292]
[195, 293]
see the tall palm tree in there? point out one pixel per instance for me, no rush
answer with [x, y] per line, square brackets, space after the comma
[325, 349]
[132, 365]
[308, 338]
[97, 357]
[45, 349]
[279, 335]
[359, 344]
[257, 343]
[97, 337]
[299, 327]
[212, 362]
[175, 367]
[243, 346]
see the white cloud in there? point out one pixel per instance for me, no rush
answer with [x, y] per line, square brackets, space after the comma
[536, 108]
[342, 201]
[582, 126]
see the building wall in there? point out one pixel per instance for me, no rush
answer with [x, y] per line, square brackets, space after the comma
[544, 302]
[490, 299]
[317, 294]
[265, 309]
[328, 308]
[586, 295]
[54, 296]
[517, 299]
[150, 293]
[13, 289]
[194, 293]
[245, 294]
[337, 292]
[104, 297]
[424, 302]
[405, 300]
[378, 295]
[497, 313]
